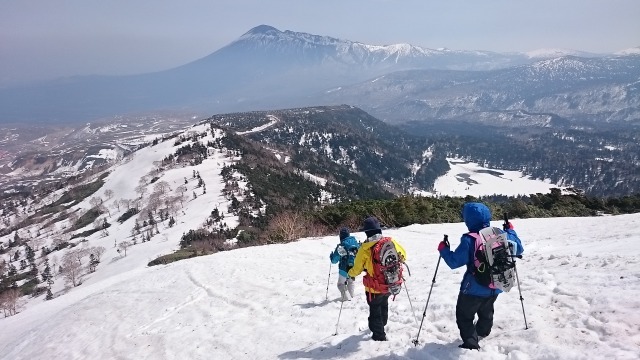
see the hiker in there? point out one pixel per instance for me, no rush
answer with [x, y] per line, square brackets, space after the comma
[377, 291]
[344, 255]
[474, 298]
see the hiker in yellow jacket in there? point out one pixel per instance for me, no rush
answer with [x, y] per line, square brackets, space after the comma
[376, 289]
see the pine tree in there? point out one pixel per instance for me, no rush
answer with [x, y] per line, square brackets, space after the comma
[49, 294]
[34, 269]
[46, 275]
[29, 253]
[93, 262]
[12, 270]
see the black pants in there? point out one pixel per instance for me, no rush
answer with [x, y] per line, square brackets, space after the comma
[378, 314]
[466, 309]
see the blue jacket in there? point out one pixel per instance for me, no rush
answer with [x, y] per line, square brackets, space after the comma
[335, 257]
[476, 216]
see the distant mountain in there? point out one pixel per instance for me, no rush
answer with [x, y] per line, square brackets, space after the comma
[629, 51]
[264, 68]
[551, 53]
[545, 93]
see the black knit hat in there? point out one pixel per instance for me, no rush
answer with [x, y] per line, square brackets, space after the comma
[344, 233]
[371, 226]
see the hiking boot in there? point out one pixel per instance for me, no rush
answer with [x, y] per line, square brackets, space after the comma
[379, 338]
[469, 346]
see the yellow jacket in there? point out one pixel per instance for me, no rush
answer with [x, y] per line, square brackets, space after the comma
[363, 261]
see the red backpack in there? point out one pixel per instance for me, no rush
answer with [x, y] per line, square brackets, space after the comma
[387, 268]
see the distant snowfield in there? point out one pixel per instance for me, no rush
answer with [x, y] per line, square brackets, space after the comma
[580, 280]
[467, 178]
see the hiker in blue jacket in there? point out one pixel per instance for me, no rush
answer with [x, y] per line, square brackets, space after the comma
[344, 255]
[473, 297]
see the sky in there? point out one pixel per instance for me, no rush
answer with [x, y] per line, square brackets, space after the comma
[579, 280]
[42, 39]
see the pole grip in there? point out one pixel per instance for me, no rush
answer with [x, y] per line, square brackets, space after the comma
[446, 240]
[505, 226]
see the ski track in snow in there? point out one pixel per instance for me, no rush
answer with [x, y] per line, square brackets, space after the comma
[579, 283]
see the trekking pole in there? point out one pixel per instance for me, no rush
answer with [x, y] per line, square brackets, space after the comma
[339, 314]
[505, 226]
[415, 342]
[410, 304]
[521, 299]
[326, 297]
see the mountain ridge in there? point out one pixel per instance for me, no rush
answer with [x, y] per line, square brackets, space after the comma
[264, 68]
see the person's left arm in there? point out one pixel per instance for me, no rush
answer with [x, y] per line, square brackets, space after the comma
[513, 236]
[358, 264]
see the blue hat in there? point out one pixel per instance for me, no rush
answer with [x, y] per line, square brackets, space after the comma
[370, 224]
[344, 233]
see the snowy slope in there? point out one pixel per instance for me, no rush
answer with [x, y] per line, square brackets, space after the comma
[580, 285]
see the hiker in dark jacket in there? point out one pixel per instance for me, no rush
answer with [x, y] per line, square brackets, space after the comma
[344, 255]
[474, 298]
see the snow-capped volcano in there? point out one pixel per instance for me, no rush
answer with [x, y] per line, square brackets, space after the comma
[264, 68]
[327, 48]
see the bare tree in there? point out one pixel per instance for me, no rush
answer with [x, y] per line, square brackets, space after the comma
[123, 246]
[97, 252]
[287, 226]
[155, 201]
[73, 218]
[98, 223]
[59, 241]
[71, 269]
[172, 204]
[78, 253]
[95, 202]
[37, 243]
[162, 187]
[136, 203]
[125, 202]
[141, 190]
[181, 189]
[10, 301]
[108, 193]
[54, 265]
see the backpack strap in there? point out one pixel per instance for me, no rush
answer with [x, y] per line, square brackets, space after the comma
[474, 242]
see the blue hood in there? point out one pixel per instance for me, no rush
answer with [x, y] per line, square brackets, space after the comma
[476, 216]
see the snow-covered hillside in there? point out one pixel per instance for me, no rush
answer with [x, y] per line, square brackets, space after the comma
[579, 279]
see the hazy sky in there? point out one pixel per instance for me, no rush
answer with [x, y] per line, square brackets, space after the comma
[50, 38]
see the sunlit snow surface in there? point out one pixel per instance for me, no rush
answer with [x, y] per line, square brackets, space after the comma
[580, 280]
[467, 178]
